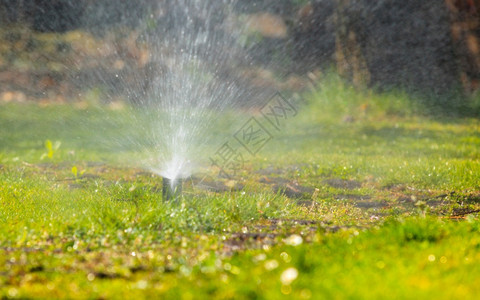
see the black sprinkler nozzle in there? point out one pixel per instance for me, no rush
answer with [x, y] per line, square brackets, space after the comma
[172, 189]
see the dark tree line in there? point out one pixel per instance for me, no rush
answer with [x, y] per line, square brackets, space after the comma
[430, 45]
[64, 15]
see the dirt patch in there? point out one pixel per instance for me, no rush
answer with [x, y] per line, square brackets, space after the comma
[371, 204]
[362, 201]
[216, 186]
[254, 240]
[294, 190]
[274, 180]
[270, 171]
[29, 250]
[463, 211]
[287, 187]
[396, 187]
[278, 225]
[290, 222]
[473, 197]
[352, 197]
[270, 232]
[343, 183]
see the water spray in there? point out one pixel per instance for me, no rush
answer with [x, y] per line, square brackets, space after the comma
[172, 188]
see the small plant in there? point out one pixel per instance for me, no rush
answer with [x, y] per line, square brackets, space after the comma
[76, 173]
[51, 149]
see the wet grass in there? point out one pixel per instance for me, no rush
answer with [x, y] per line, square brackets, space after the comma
[365, 199]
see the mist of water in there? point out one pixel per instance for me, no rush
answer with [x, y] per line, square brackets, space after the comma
[197, 51]
[181, 64]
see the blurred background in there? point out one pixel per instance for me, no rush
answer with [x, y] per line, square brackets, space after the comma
[61, 51]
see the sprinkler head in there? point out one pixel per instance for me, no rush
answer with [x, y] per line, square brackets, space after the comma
[172, 188]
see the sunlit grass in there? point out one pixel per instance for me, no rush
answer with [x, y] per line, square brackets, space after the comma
[387, 207]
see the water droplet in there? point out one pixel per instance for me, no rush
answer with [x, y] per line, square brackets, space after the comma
[142, 284]
[288, 276]
[271, 264]
[286, 258]
[286, 289]
[12, 292]
[294, 240]
[260, 257]
[90, 276]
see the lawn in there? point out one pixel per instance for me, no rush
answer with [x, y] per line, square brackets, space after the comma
[359, 196]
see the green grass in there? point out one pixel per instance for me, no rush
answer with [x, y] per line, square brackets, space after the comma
[359, 196]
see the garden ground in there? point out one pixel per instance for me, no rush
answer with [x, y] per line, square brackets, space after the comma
[359, 196]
